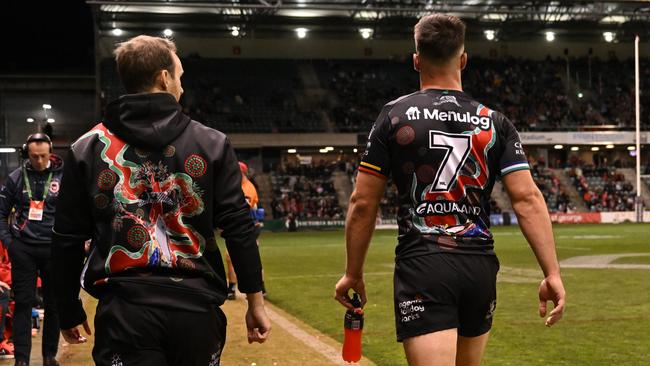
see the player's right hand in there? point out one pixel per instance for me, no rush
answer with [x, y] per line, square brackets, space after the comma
[73, 335]
[343, 287]
[552, 289]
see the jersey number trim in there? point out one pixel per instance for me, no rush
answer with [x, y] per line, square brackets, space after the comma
[456, 148]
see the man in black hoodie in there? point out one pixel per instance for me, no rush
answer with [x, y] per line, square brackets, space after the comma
[148, 186]
[32, 190]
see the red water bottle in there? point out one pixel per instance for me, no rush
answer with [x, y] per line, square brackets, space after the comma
[353, 325]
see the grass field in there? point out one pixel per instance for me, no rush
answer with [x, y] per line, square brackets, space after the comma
[607, 321]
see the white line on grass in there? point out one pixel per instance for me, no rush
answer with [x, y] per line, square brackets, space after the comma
[294, 277]
[573, 248]
[589, 237]
[313, 342]
[603, 261]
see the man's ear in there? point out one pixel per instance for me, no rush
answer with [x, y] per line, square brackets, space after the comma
[416, 62]
[463, 61]
[162, 80]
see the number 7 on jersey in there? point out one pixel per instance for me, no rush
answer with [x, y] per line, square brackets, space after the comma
[456, 148]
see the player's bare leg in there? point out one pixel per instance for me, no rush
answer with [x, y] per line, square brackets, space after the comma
[433, 349]
[470, 350]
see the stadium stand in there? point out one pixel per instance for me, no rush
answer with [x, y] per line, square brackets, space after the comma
[555, 194]
[226, 93]
[603, 188]
[238, 96]
[305, 191]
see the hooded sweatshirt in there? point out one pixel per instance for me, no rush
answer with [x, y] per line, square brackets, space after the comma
[14, 196]
[149, 187]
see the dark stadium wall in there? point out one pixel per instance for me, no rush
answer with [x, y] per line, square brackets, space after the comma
[73, 113]
[313, 48]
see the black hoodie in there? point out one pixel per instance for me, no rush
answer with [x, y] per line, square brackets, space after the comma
[149, 186]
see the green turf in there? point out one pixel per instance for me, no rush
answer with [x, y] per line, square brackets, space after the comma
[606, 321]
[633, 260]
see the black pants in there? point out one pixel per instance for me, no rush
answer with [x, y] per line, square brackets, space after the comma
[128, 334]
[28, 261]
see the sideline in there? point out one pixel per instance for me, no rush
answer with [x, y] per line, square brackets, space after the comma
[603, 261]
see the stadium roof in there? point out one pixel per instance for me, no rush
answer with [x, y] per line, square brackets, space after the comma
[386, 18]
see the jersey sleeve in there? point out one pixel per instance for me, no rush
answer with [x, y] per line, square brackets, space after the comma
[513, 157]
[376, 159]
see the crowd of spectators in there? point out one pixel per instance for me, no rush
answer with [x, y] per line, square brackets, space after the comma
[270, 95]
[602, 188]
[389, 204]
[305, 191]
[555, 194]
[534, 95]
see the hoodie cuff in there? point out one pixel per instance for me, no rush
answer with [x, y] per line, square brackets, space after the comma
[71, 314]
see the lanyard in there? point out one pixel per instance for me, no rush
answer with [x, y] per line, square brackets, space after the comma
[46, 188]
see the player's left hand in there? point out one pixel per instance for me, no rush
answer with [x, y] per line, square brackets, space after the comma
[257, 323]
[343, 287]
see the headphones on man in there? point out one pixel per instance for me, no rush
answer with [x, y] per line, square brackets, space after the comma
[36, 137]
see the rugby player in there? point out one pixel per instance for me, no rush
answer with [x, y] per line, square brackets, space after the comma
[444, 151]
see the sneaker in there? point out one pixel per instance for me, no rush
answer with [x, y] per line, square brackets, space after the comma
[34, 332]
[6, 350]
[5, 355]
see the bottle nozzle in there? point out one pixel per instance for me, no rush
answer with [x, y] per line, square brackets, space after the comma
[356, 302]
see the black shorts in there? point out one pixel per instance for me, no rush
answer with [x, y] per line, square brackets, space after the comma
[128, 334]
[444, 291]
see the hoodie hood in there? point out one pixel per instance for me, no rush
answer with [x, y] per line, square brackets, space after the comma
[147, 120]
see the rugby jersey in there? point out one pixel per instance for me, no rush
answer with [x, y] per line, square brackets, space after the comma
[443, 150]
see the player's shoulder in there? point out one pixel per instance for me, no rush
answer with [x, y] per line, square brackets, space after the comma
[402, 99]
[399, 106]
[481, 109]
[204, 134]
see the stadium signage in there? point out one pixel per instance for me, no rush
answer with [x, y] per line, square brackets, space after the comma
[582, 138]
[576, 218]
[445, 208]
[483, 122]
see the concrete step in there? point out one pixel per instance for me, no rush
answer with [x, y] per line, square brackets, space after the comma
[563, 176]
[343, 187]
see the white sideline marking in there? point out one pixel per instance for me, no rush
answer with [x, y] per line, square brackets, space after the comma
[589, 237]
[572, 248]
[334, 275]
[603, 261]
[313, 342]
